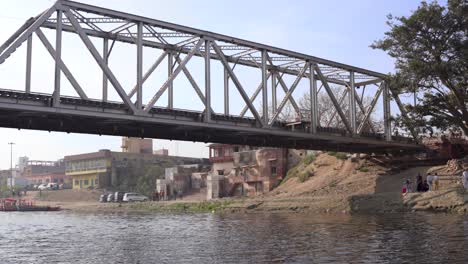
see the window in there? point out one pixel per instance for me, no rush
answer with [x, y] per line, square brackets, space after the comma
[236, 149]
[77, 182]
[273, 169]
[96, 181]
[86, 182]
[220, 172]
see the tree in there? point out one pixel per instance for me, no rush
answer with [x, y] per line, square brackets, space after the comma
[431, 52]
[327, 114]
[146, 184]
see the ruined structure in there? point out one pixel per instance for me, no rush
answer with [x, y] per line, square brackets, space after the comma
[244, 171]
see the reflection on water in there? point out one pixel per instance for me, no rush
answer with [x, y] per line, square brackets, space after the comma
[66, 237]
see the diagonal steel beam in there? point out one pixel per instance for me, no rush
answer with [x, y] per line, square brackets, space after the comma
[404, 114]
[288, 94]
[254, 96]
[332, 97]
[13, 45]
[369, 110]
[149, 72]
[361, 107]
[334, 112]
[172, 77]
[192, 81]
[285, 89]
[61, 64]
[97, 57]
[291, 100]
[238, 85]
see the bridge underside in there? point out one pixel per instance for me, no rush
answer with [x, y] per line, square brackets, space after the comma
[34, 111]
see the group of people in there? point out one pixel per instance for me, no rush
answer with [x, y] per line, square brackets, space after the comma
[431, 183]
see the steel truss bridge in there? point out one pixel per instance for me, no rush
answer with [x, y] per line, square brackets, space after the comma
[136, 117]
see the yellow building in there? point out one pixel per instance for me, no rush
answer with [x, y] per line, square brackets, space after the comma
[88, 170]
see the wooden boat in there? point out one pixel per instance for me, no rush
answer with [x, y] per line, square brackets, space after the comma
[18, 205]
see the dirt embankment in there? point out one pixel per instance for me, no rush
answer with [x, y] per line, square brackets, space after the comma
[338, 184]
[321, 184]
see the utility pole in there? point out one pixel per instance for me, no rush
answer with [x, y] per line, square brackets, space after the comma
[11, 164]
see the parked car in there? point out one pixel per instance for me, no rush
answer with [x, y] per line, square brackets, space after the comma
[52, 186]
[103, 198]
[110, 197]
[134, 197]
[118, 196]
[42, 187]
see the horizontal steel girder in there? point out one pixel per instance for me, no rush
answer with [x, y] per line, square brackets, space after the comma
[33, 111]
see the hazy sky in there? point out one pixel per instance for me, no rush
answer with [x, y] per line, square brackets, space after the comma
[335, 30]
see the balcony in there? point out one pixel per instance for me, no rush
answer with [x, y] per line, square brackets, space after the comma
[222, 159]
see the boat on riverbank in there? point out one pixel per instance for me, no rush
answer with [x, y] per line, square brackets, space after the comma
[20, 205]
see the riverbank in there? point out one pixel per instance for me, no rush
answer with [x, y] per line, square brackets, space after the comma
[327, 183]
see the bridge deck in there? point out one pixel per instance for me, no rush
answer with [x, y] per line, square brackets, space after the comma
[34, 111]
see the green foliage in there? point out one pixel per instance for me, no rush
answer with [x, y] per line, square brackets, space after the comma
[304, 176]
[146, 184]
[200, 207]
[309, 159]
[431, 51]
[338, 155]
[363, 169]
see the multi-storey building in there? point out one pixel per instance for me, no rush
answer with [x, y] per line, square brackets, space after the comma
[118, 170]
[245, 170]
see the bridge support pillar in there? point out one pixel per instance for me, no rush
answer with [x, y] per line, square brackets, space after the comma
[207, 81]
[105, 56]
[274, 100]
[170, 86]
[352, 103]
[264, 87]
[387, 115]
[313, 100]
[28, 64]
[58, 57]
[139, 80]
[226, 92]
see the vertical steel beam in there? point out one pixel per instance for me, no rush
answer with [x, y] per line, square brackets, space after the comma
[207, 81]
[313, 100]
[28, 64]
[386, 110]
[226, 93]
[63, 68]
[105, 56]
[170, 86]
[58, 57]
[265, 86]
[139, 42]
[274, 93]
[163, 88]
[288, 95]
[352, 103]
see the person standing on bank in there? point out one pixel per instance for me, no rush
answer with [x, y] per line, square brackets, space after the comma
[436, 182]
[465, 178]
[429, 180]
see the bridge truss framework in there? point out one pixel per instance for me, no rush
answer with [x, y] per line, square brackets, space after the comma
[135, 117]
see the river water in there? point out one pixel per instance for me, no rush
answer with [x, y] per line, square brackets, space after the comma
[66, 237]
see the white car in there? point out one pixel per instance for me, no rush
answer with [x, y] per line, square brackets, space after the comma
[52, 186]
[42, 187]
[134, 197]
